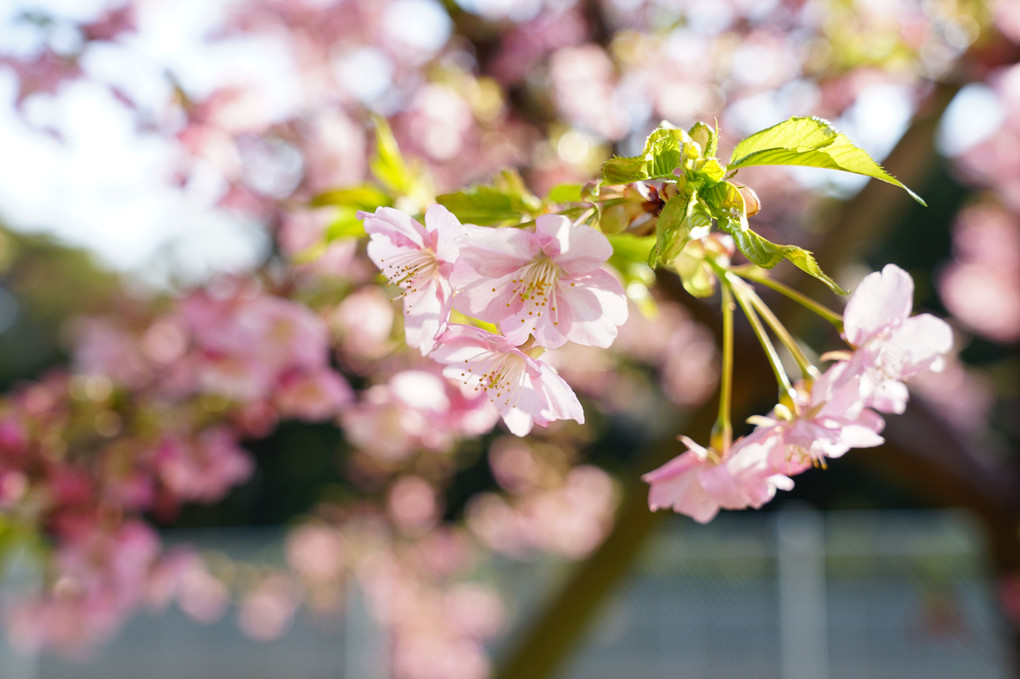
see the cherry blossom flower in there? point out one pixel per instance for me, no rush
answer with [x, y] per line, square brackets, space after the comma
[203, 470]
[415, 409]
[697, 483]
[890, 345]
[524, 390]
[829, 419]
[419, 259]
[548, 283]
[312, 396]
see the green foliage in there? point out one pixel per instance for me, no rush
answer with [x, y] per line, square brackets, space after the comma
[566, 193]
[388, 164]
[811, 142]
[504, 203]
[673, 229]
[361, 197]
[621, 170]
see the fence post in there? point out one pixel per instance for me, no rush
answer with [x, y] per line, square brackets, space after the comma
[803, 626]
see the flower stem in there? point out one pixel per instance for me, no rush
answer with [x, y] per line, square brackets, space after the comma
[754, 274]
[732, 282]
[807, 369]
[722, 430]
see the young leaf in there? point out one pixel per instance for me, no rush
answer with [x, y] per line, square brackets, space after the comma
[486, 206]
[362, 197]
[767, 254]
[673, 229]
[388, 164]
[811, 142]
[566, 193]
[620, 170]
[345, 225]
[706, 137]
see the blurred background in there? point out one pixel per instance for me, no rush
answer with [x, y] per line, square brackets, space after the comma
[170, 176]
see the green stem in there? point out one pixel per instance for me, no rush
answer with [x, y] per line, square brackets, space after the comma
[722, 431]
[729, 280]
[753, 274]
[807, 368]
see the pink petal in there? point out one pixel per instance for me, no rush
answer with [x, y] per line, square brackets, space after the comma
[575, 249]
[882, 300]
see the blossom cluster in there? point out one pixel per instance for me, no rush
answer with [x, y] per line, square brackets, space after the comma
[541, 287]
[827, 416]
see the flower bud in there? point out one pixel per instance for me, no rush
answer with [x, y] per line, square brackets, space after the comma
[751, 203]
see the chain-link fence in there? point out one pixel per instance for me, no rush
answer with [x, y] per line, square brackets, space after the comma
[790, 595]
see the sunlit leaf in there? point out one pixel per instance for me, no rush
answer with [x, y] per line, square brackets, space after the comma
[566, 193]
[388, 164]
[620, 170]
[362, 197]
[767, 254]
[810, 142]
[486, 206]
[673, 229]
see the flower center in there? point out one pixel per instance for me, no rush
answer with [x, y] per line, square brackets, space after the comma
[409, 269]
[536, 287]
[499, 374]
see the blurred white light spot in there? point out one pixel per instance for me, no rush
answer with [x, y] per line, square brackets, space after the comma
[973, 116]
[366, 73]
[418, 23]
[573, 147]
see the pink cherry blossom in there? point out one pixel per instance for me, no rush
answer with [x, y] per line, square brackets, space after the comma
[890, 345]
[697, 483]
[415, 409]
[203, 470]
[419, 259]
[312, 396]
[548, 283]
[829, 419]
[524, 390]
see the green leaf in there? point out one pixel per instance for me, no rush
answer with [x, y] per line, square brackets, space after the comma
[664, 151]
[346, 225]
[767, 254]
[388, 164]
[810, 142]
[711, 170]
[706, 137]
[620, 170]
[566, 193]
[486, 206]
[631, 248]
[362, 197]
[672, 229]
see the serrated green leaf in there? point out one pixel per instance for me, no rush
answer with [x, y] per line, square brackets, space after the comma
[810, 142]
[706, 137]
[711, 170]
[362, 197]
[566, 193]
[621, 170]
[487, 206]
[767, 254]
